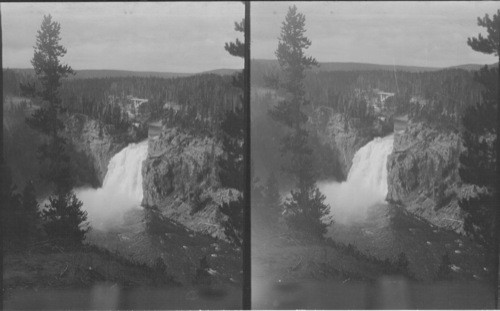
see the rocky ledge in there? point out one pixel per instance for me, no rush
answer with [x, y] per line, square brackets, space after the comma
[344, 135]
[423, 175]
[94, 140]
[180, 178]
[97, 141]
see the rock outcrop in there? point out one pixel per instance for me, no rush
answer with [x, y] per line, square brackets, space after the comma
[345, 136]
[95, 140]
[423, 175]
[422, 169]
[180, 178]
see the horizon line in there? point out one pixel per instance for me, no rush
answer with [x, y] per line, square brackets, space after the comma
[378, 64]
[130, 70]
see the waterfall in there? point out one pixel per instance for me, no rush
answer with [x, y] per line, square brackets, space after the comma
[121, 189]
[366, 183]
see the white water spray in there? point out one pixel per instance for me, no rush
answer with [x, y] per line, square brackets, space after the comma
[121, 189]
[366, 183]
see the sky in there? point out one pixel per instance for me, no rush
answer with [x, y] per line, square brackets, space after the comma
[405, 33]
[174, 37]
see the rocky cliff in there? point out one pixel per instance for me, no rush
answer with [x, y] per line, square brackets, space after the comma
[423, 175]
[97, 142]
[344, 135]
[422, 170]
[180, 178]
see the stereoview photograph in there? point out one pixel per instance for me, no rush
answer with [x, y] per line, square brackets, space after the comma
[374, 147]
[122, 159]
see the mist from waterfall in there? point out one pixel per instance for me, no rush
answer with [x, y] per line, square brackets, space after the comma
[121, 189]
[365, 186]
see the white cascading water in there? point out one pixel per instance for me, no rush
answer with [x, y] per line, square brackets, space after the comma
[366, 183]
[120, 191]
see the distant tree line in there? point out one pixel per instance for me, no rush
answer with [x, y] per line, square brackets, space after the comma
[438, 98]
[12, 80]
[435, 97]
[209, 94]
[203, 99]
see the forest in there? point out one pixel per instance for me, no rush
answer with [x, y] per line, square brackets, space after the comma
[436, 97]
[203, 100]
[209, 95]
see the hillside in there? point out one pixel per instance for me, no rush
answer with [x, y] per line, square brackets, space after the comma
[110, 73]
[222, 71]
[262, 67]
[359, 271]
[351, 66]
[472, 67]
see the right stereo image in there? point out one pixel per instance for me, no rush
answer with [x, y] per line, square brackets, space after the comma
[374, 155]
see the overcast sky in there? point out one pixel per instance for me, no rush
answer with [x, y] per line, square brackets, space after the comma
[175, 37]
[404, 33]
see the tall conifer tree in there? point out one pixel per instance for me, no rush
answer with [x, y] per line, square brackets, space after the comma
[478, 163]
[63, 214]
[232, 173]
[305, 210]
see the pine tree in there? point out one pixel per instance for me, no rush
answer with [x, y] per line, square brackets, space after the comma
[65, 219]
[232, 166]
[63, 214]
[237, 48]
[490, 44]
[49, 72]
[478, 161]
[233, 125]
[305, 210]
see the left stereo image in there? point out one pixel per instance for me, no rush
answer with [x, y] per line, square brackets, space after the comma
[123, 160]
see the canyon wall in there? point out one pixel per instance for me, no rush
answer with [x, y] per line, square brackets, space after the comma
[180, 178]
[423, 175]
[345, 136]
[422, 172]
[95, 142]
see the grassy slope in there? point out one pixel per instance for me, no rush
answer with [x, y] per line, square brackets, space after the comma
[180, 248]
[288, 273]
[389, 230]
[89, 278]
[44, 266]
[277, 256]
[46, 275]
